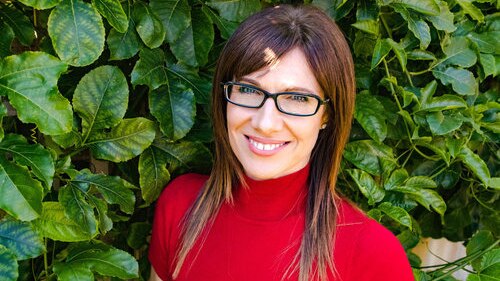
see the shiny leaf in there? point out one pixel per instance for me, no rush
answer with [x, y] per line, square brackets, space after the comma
[368, 26]
[426, 7]
[461, 80]
[124, 141]
[418, 27]
[189, 78]
[235, 11]
[185, 156]
[113, 11]
[368, 112]
[367, 185]
[19, 22]
[150, 69]
[53, 224]
[382, 49]
[458, 52]
[77, 209]
[397, 178]
[444, 102]
[426, 197]
[105, 223]
[101, 99]
[77, 32]
[443, 21]
[148, 25]
[416, 182]
[488, 63]
[6, 37]
[174, 107]
[175, 16]
[400, 53]
[471, 10]
[396, 213]
[30, 81]
[20, 195]
[443, 123]
[225, 27]
[21, 239]
[153, 173]
[40, 4]
[486, 41]
[8, 265]
[475, 164]
[123, 45]
[370, 156]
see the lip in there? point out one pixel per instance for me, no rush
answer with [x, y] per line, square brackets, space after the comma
[265, 147]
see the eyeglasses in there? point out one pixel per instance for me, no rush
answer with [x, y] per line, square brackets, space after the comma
[292, 103]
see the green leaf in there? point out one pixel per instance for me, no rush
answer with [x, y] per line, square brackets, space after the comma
[69, 139]
[53, 224]
[367, 185]
[370, 156]
[101, 99]
[189, 78]
[6, 37]
[125, 141]
[77, 32]
[175, 16]
[396, 213]
[443, 123]
[113, 11]
[488, 63]
[443, 21]
[3, 113]
[490, 266]
[426, 7]
[153, 173]
[471, 10]
[458, 53]
[479, 242]
[40, 4]
[113, 189]
[336, 9]
[20, 195]
[30, 81]
[364, 44]
[419, 54]
[368, 26]
[382, 49]
[369, 113]
[397, 178]
[194, 43]
[494, 182]
[417, 182]
[84, 258]
[225, 27]
[150, 69]
[174, 107]
[399, 51]
[77, 209]
[19, 22]
[8, 265]
[235, 11]
[185, 156]
[417, 26]
[123, 45]
[21, 239]
[426, 197]
[444, 102]
[35, 156]
[486, 42]
[475, 164]
[105, 223]
[148, 25]
[461, 80]
[427, 92]
[139, 232]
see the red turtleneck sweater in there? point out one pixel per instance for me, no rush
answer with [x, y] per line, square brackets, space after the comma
[258, 236]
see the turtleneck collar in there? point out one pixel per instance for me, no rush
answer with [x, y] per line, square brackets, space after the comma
[273, 199]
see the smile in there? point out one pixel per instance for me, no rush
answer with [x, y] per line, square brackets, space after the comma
[265, 146]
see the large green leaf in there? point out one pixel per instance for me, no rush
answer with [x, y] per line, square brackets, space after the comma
[105, 222]
[479, 242]
[443, 21]
[185, 156]
[189, 77]
[175, 15]
[77, 32]
[367, 185]
[20, 195]
[101, 99]
[458, 52]
[35, 156]
[399, 51]
[370, 156]
[396, 213]
[194, 43]
[225, 27]
[53, 224]
[490, 265]
[382, 49]
[19, 22]
[21, 239]
[174, 107]
[486, 42]
[416, 182]
[475, 164]
[462, 81]
[113, 11]
[369, 113]
[417, 26]
[336, 9]
[471, 10]
[368, 26]
[443, 123]
[113, 189]
[153, 173]
[426, 197]
[8, 265]
[30, 81]
[6, 37]
[235, 11]
[124, 141]
[123, 45]
[150, 69]
[397, 178]
[426, 7]
[85, 258]
[488, 63]
[148, 25]
[444, 102]
[77, 209]
[40, 4]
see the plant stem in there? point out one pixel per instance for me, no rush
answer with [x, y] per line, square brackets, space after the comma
[45, 259]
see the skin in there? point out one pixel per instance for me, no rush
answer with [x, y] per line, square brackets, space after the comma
[294, 136]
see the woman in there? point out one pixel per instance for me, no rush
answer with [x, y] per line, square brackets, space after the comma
[282, 106]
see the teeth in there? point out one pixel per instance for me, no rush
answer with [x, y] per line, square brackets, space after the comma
[266, 147]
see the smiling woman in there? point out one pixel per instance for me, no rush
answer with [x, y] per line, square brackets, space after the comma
[282, 107]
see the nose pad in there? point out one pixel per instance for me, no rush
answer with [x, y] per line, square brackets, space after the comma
[267, 118]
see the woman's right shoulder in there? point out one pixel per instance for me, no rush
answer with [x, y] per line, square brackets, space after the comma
[182, 191]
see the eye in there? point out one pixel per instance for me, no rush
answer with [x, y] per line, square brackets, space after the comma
[298, 98]
[247, 90]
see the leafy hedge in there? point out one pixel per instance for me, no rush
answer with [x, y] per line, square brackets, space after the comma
[123, 87]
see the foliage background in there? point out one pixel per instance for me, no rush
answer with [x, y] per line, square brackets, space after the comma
[105, 101]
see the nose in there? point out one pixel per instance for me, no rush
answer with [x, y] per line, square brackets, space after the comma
[267, 119]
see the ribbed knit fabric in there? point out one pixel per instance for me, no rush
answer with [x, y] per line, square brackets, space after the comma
[258, 236]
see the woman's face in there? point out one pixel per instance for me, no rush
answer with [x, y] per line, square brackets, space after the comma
[267, 142]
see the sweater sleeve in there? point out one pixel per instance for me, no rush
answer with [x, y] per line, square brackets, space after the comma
[380, 256]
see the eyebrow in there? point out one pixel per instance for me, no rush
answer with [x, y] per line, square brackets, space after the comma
[293, 89]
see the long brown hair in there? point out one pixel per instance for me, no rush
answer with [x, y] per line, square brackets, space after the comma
[280, 29]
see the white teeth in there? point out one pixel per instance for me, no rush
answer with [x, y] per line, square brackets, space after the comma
[266, 147]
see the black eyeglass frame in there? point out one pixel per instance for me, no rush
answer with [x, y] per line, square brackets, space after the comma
[273, 96]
